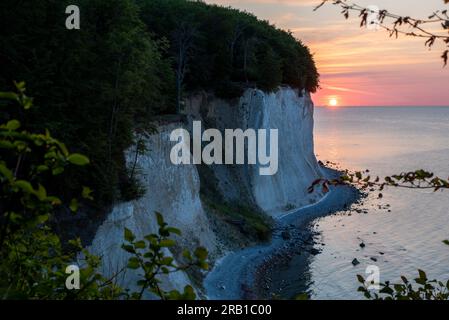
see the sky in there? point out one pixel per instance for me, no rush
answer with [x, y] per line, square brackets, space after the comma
[361, 67]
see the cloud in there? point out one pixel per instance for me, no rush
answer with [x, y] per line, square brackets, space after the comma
[360, 66]
[346, 89]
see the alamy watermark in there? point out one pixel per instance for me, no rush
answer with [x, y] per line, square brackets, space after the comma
[236, 141]
[373, 18]
[372, 281]
[72, 282]
[73, 20]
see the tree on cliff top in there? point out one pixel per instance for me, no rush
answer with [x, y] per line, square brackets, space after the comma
[227, 50]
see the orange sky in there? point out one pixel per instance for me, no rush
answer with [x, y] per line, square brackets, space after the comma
[361, 67]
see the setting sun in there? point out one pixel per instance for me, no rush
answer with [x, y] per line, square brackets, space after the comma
[333, 102]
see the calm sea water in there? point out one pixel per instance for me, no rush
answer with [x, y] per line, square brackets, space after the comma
[385, 140]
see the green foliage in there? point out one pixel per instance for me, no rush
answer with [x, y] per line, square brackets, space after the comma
[150, 256]
[270, 70]
[302, 297]
[418, 179]
[93, 87]
[32, 261]
[32, 258]
[424, 289]
[228, 47]
[250, 222]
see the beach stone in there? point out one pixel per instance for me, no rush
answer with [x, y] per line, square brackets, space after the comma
[286, 235]
[355, 262]
[362, 245]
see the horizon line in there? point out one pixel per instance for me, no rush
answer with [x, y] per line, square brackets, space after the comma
[383, 106]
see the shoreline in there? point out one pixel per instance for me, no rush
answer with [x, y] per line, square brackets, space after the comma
[246, 273]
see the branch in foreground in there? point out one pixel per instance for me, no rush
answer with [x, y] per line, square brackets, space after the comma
[419, 179]
[418, 28]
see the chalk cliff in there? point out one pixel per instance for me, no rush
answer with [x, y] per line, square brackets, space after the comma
[174, 190]
[286, 110]
[171, 190]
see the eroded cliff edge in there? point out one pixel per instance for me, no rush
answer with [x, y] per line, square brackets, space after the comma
[197, 199]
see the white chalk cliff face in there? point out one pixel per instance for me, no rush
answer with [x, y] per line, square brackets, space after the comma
[170, 189]
[298, 167]
[284, 110]
[174, 189]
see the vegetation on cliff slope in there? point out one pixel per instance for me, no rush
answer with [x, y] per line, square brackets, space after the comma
[34, 264]
[96, 87]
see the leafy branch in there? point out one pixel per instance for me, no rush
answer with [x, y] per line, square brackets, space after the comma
[396, 24]
[32, 258]
[425, 290]
[419, 179]
[149, 255]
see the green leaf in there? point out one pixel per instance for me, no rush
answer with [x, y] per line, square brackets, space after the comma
[167, 243]
[24, 185]
[186, 254]
[128, 248]
[160, 219]
[422, 275]
[73, 205]
[27, 103]
[4, 171]
[62, 147]
[152, 238]
[58, 170]
[76, 243]
[140, 244]
[174, 230]
[78, 159]
[165, 270]
[13, 125]
[201, 253]
[360, 279]
[42, 168]
[20, 85]
[42, 218]
[129, 236]
[398, 287]
[15, 217]
[55, 201]
[167, 261]
[203, 265]
[133, 263]
[189, 293]
[86, 193]
[9, 96]
[302, 296]
[387, 290]
[41, 193]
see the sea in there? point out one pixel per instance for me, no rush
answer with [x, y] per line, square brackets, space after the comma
[402, 231]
